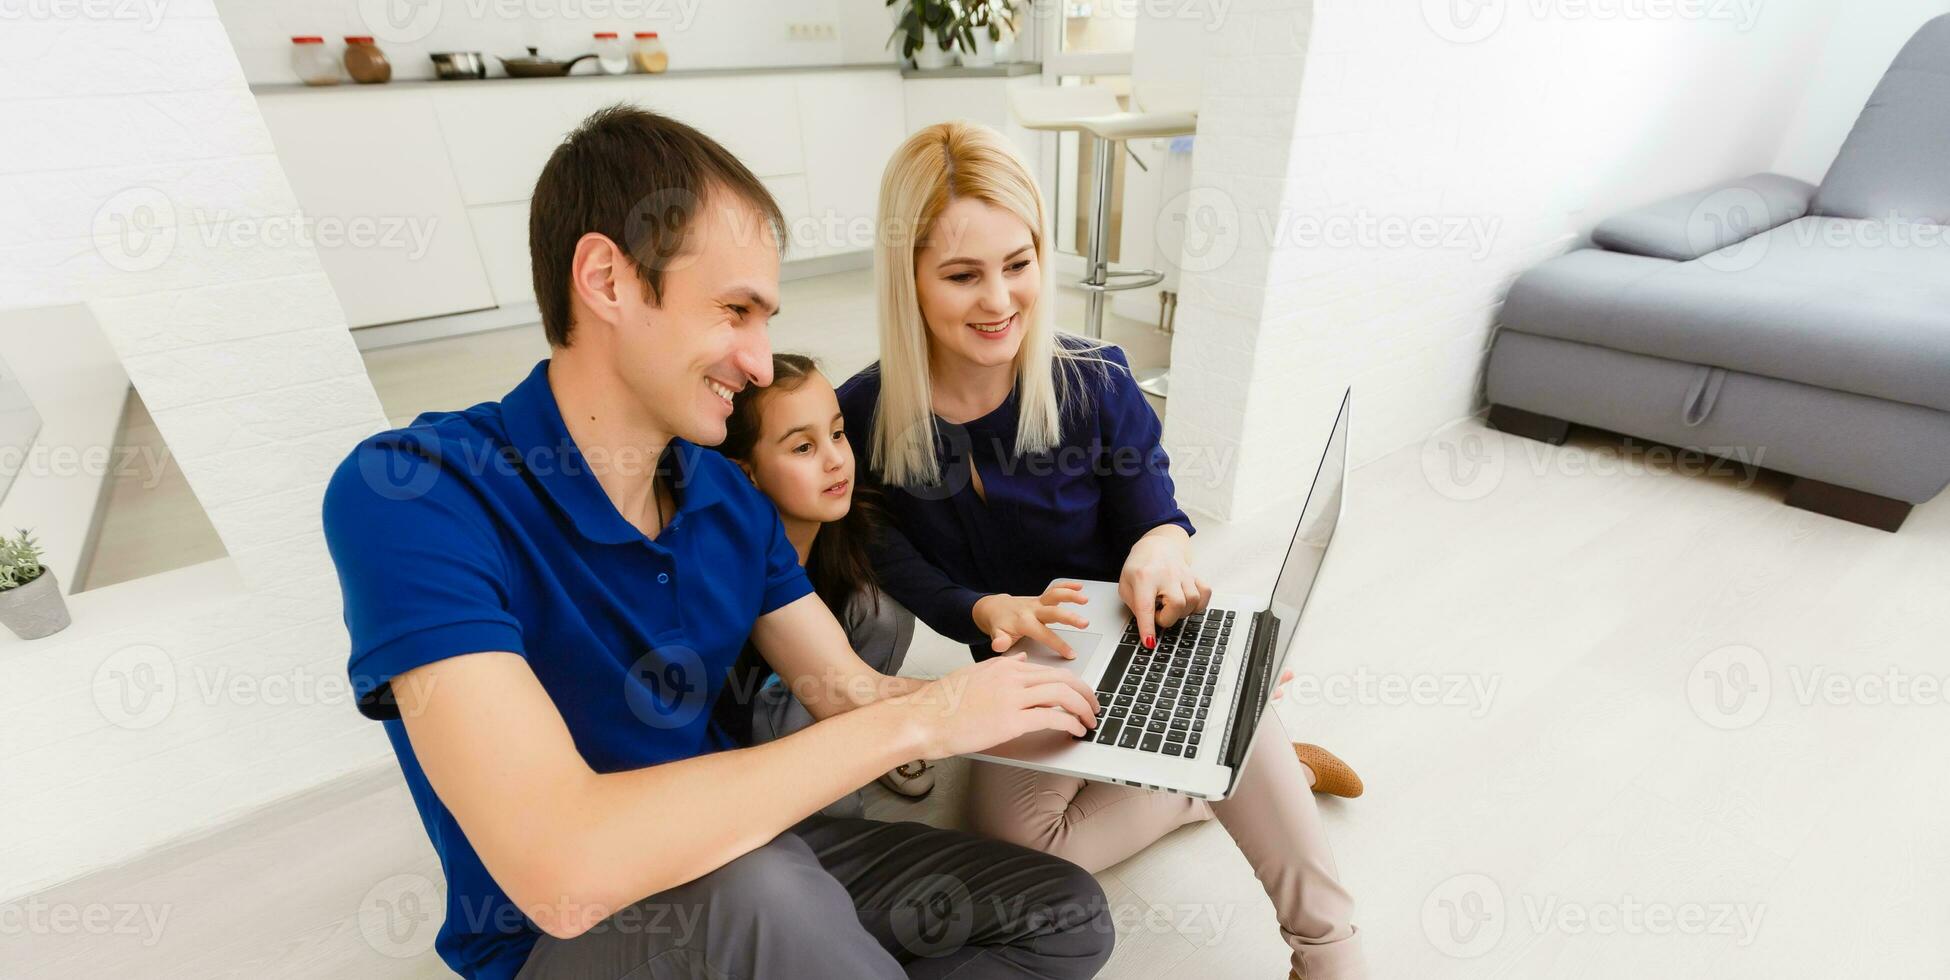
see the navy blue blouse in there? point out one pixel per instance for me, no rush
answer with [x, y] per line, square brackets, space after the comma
[1072, 511]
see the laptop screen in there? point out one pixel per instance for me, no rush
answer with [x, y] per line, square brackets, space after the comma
[1310, 537]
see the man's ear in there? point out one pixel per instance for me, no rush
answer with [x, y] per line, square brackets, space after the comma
[594, 276]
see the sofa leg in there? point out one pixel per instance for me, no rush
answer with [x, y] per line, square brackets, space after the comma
[1529, 425]
[1856, 506]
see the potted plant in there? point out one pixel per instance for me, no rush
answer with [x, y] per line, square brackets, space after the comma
[925, 30]
[981, 27]
[30, 599]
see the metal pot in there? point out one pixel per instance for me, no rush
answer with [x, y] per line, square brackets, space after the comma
[454, 65]
[536, 66]
[36, 609]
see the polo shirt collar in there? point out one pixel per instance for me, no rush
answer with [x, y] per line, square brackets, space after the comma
[548, 454]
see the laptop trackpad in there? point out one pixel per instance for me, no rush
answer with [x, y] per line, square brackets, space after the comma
[1084, 644]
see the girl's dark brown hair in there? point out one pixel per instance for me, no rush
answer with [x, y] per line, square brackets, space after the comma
[838, 563]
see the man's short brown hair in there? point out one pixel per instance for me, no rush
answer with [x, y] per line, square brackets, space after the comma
[638, 179]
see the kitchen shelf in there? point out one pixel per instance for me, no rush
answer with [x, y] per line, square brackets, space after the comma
[999, 71]
[1011, 70]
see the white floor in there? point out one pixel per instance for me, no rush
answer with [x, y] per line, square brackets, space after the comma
[1614, 724]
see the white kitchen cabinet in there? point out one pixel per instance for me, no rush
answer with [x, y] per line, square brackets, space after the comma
[789, 193]
[459, 162]
[984, 100]
[498, 136]
[385, 211]
[755, 118]
[851, 125]
[501, 233]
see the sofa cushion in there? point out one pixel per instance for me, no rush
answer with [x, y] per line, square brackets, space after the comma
[1690, 225]
[1893, 162]
[1822, 301]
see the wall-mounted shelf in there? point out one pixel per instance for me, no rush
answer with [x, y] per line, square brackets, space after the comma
[1010, 70]
[998, 71]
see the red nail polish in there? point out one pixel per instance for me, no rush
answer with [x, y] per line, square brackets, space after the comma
[1151, 643]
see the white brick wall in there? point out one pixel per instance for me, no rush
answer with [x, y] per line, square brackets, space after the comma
[242, 355]
[1505, 139]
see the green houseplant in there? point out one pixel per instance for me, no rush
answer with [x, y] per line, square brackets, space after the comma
[925, 31]
[980, 26]
[30, 600]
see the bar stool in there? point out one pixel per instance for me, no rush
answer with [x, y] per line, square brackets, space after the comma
[1092, 112]
[1158, 99]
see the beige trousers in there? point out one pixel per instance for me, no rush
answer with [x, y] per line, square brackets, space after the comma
[1271, 816]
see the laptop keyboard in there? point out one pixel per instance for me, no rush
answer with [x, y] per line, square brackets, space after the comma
[1156, 700]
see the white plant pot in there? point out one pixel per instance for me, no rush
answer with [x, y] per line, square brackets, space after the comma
[36, 609]
[931, 56]
[984, 56]
[1005, 49]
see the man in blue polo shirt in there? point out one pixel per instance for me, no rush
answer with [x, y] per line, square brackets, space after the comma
[545, 594]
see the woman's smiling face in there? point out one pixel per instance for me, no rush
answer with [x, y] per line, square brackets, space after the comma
[977, 280]
[801, 458]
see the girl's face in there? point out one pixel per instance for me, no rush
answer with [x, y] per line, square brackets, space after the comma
[801, 459]
[978, 281]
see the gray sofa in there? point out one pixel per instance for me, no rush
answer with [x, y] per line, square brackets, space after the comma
[1805, 329]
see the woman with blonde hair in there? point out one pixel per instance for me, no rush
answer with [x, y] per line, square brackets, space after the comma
[1009, 456]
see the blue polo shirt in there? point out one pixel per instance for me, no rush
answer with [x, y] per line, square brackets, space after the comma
[483, 530]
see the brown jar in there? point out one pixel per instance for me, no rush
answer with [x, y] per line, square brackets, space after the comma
[650, 56]
[365, 62]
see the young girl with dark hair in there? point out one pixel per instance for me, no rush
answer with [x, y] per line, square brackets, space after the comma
[789, 438]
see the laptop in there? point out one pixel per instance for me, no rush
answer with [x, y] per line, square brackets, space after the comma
[1181, 718]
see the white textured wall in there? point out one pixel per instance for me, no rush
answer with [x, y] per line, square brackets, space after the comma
[146, 720]
[75, 382]
[1371, 176]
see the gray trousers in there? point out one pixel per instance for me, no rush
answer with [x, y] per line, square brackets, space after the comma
[842, 898]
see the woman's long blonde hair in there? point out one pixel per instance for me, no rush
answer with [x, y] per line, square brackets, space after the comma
[940, 164]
